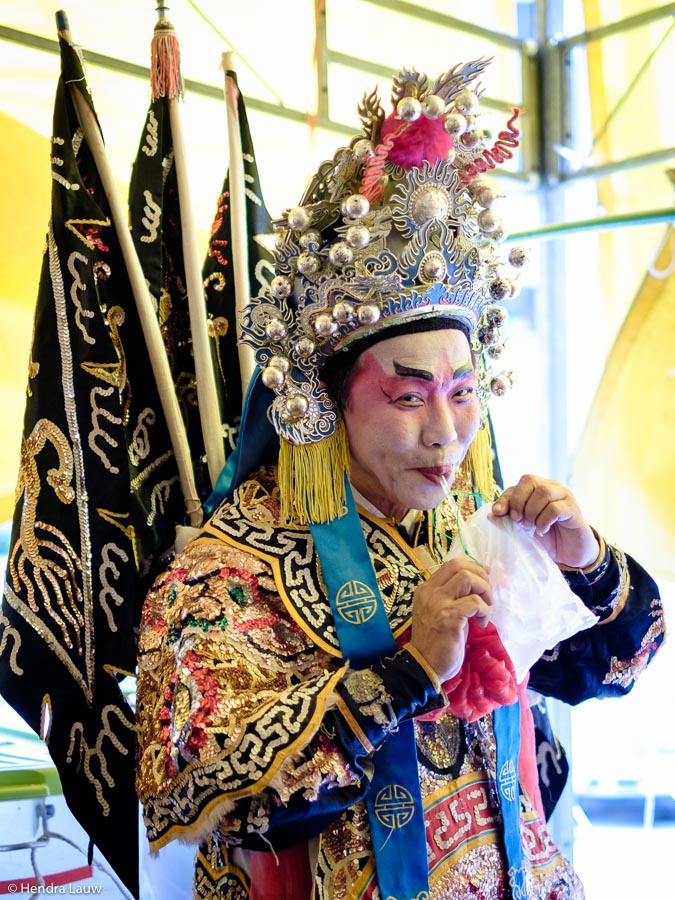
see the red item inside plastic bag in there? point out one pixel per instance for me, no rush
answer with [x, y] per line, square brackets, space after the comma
[486, 680]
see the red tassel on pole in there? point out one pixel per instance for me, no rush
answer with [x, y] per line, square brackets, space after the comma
[165, 75]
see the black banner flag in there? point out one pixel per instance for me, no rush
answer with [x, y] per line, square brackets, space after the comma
[98, 496]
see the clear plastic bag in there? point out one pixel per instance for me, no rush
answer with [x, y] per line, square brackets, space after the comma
[533, 606]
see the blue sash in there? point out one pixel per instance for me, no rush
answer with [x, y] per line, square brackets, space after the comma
[506, 723]
[394, 800]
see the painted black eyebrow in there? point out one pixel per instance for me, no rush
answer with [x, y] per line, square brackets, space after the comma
[412, 373]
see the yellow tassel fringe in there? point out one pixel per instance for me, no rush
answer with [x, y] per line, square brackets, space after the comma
[479, 463]
[311, 478]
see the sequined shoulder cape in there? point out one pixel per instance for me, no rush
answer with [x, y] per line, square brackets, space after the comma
[254, 733]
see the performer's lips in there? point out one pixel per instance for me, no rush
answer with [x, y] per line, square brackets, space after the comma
[436, 474]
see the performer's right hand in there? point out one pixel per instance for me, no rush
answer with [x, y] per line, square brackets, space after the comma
[442, 607]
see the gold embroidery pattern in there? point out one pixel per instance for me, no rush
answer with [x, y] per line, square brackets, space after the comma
[440, 742]
[216, 878]
[6, 634]
[241, 771]
[93, 759]
[71, 225]
[368, 692]
[47, 563]
[464, 846]
[38, 625]
[252, 523]
[344, 852]
[356, 603]
[624, 672]
[228, 691]
[394, 806]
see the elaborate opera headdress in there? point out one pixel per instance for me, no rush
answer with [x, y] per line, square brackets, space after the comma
[399, 226]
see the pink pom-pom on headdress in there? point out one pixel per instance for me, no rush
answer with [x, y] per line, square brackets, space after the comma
[422, 139]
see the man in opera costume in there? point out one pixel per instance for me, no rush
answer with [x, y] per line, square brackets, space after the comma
[331, 702]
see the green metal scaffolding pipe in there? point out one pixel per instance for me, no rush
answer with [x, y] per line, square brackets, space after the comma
[546, 232]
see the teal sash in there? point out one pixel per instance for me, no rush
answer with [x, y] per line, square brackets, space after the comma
[394, 800]
[506, 723]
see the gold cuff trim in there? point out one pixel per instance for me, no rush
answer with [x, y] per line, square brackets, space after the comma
[359, 733]
[623, 590]
[601, 555]
[429, 670]
[594, 565]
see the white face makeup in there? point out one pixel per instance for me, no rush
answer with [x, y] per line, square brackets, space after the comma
[412, 412]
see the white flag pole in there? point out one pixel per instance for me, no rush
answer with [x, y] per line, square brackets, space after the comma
[238, 219]
[169, 84]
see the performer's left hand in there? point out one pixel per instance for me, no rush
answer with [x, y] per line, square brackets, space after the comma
[552, 511]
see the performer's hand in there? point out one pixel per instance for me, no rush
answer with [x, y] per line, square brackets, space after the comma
[551, 510]
[442, 608]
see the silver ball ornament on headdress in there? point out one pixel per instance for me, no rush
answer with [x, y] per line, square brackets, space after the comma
[494, 351]
[280, 362]
[471, 138]
[272, 377]
[488, 335]
[305, 347]
[486, 196]
[324, 325]
[430, 203]
[500, 289]
[296, 406]
[499, 233]
[298, 218]
[355, 206]
[357, 236]
[497, 316]
[478, 184]
[343, 312]
[308, 263]
[433, 106]
[409, 109]
[281, 287]
[310, 240]
[433, 267]
[455, 124]
[368, 314]
[275, 329]
[340, 254]
[488, 220]
[518, 256]
[501, 384]
[466, 102]
[363, 149]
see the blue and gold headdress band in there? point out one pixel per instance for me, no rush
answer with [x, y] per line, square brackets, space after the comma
[401, 225]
